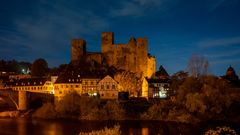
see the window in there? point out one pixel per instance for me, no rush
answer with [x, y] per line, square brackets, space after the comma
[91, 83]
[102, 87]
[76, 86]
[107, 86]
[113, 87]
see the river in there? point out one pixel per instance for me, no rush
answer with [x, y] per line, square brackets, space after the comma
[23, 126]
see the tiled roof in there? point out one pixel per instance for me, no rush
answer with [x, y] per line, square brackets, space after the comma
[28, 82]
[161, 73]
[74, 74]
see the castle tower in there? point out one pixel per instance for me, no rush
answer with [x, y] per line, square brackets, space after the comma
[107, 41]
[78, 49]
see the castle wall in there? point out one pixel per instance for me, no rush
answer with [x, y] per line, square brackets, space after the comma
[94, 56]
[151, 69]
[132, 56]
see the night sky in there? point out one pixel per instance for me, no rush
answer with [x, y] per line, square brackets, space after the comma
[176, 29]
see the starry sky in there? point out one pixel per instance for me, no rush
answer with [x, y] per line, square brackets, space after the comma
[176, 29]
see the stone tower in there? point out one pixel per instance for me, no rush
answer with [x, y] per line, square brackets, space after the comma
[107, 41]
[78, 49]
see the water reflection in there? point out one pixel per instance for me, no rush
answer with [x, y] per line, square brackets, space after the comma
[57, 127]
[60, 127]
[21, 125]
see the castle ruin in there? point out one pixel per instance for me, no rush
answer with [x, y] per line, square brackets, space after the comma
[132, 56]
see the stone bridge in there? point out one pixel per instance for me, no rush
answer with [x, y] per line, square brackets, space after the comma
[24, 100]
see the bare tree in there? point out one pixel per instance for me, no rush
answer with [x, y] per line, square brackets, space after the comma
[198, 65]
[129, 82]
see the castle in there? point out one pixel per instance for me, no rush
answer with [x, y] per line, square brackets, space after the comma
[132, 56]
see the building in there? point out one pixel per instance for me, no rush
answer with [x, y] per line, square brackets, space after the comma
[158, 86]
[89, 85]
[108, 88]
[67, 84]
[40, 85]
[81, 79]
[132, 56]
[231, 76]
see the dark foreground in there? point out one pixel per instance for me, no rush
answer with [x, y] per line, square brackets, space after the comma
[23, 126]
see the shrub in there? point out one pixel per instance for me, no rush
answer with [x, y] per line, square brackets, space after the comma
[106, 131]
[112, 111]
[47, 111]
[221, 131]
[69, 105]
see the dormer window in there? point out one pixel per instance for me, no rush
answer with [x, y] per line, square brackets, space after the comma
[40, 82]
[69, 80]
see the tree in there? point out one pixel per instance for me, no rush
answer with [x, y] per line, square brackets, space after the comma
[39, 68]
[198, 65]
[177, 79]
[69, 105]
[129, 82]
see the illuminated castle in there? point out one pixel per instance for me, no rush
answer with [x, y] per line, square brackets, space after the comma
[132, 56]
